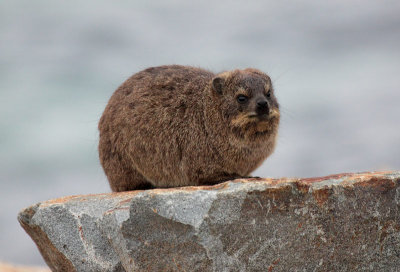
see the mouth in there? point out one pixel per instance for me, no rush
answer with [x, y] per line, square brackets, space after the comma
[263, 116]
[251, 119]
[260, 117]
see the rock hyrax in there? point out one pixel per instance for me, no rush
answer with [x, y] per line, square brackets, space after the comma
[174, 125]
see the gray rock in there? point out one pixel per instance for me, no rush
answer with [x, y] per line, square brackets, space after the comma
[346, 222]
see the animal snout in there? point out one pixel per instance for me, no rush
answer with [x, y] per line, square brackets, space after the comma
[262, 107]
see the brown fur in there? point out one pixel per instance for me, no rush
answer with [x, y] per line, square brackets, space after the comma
[175, 125]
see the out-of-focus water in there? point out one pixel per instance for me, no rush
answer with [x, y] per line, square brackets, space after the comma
[335, 66]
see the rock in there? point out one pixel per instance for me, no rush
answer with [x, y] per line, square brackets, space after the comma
[345, 222]
[5, 267]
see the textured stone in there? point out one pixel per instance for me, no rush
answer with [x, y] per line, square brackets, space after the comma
[345, 222]
[5, 267]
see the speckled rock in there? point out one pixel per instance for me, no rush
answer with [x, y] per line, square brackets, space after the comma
[345, 222]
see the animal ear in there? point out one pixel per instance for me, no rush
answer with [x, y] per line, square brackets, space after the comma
[218, 84]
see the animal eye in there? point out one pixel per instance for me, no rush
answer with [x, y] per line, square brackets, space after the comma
[269, 94]
[242, 98]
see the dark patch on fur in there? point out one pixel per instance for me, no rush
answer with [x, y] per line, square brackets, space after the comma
[199, 172]
[127, 91]
[180, 153]
[144, 186]
[167, 87]
[182, 107]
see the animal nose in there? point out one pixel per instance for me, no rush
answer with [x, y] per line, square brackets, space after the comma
[262, 103]
[262, 107]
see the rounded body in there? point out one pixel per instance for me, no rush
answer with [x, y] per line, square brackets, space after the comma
[168, 126]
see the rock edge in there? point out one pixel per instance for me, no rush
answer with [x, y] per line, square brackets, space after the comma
[343, 222]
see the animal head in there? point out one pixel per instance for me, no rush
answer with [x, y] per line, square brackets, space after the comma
[247, 102]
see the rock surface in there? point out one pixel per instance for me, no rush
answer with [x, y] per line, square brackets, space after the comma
[345, 222]
[5, 267]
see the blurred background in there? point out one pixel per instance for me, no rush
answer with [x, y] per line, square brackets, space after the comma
[335, 66]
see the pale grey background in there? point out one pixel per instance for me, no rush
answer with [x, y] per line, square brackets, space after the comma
[335, 66]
